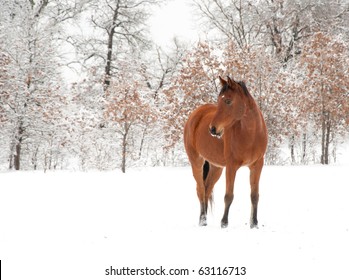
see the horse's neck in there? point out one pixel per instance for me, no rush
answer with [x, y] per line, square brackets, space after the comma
[250, 102]
[253, 113]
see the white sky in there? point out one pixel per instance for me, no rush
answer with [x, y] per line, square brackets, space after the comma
[173, 19]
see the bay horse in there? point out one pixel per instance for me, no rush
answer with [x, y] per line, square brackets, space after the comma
[230, 134]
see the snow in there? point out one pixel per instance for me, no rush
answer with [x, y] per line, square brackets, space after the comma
[75, 225]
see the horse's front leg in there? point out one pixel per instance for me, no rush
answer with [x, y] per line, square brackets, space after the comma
[255, 173]
[229, 192]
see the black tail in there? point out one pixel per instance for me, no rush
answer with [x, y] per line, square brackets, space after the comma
[206, 169]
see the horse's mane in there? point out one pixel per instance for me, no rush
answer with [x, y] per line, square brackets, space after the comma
[244, 88]
[241, 84]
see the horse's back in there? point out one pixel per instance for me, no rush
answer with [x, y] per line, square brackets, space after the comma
[196, 116]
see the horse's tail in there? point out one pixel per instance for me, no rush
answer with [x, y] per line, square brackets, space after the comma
[205, 171]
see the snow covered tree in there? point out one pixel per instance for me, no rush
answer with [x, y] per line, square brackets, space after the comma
[196, 83]
[129, 111]
[116, 28]
[265, 41]
[131, 101]
[325, 60]
[28, 71]
[34, 89]
[111, 48]
[236, 20]
[167, 65]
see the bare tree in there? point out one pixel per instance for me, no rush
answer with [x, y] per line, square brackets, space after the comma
[237, 20]
[162, 65]
[117, 28]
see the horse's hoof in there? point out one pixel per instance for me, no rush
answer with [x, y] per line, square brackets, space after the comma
[254, 226]
[203, 222]
[224, 224]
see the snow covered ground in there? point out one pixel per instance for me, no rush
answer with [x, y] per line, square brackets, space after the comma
[74, 225]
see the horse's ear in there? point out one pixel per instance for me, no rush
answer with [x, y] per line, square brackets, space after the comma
[223, 82]
[230, 82]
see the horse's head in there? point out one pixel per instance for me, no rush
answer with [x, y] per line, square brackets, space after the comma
[231, 106]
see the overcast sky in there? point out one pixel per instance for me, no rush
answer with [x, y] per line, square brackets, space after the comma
[173, 19]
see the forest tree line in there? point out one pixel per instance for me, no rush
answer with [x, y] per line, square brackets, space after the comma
[131, 98]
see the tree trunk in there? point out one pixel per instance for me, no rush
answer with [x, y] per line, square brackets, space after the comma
[304, 148]
[124, 146]
[334, 151]
[327, 141]
[111, 33]
[325, 138]
[124, 150]
[293, 160]
[142, 142]
[35, 158]
[323, 126]
[17, 156]
[18, 147]
[10, 165]
[109, 58]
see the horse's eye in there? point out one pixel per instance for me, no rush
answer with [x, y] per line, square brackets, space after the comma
[228, 101]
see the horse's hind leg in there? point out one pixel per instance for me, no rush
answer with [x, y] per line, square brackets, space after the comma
[255, 173]
[213, 175]
[197, 165]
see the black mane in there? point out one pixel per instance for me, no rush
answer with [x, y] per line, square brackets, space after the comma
[244, 88]
[240, 83]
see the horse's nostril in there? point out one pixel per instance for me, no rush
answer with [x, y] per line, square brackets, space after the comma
[213, 130]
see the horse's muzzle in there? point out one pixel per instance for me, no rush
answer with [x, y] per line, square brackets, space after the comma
[215, 133]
